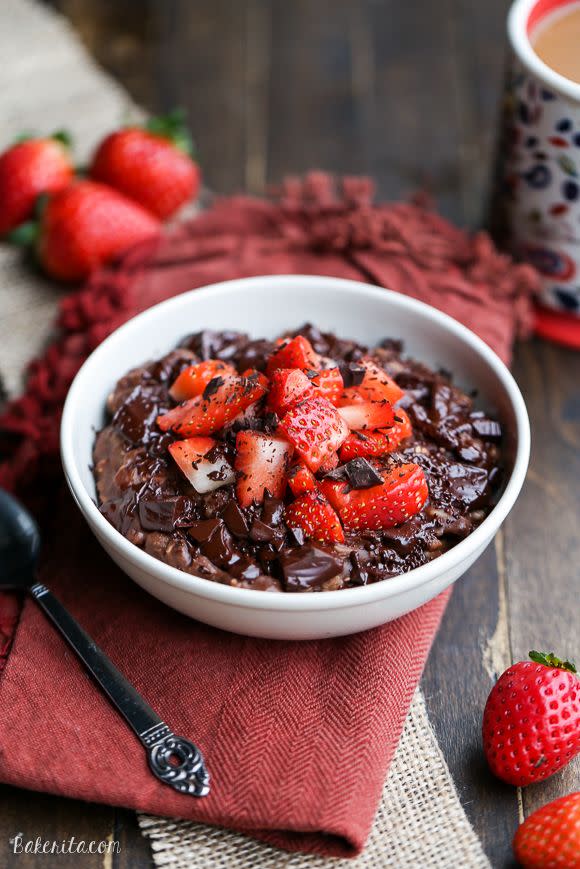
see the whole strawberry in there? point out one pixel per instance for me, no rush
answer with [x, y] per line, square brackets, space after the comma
[27, 169]
[86, 225]
[550, 837]
[151, 165]
[531, 722]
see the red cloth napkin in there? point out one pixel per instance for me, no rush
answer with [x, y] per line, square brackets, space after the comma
[298, 736]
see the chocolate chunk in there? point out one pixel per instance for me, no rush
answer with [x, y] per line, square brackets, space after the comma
[245, 569]
[298, 535]
[469, 454]
[165, 515]
[272, 509]
[352, 374]
[260, 532]
[202, 531]
[487, 428]
[307, 567]
[219, 546]
[215, 345]
[137, 414]
[358, 560]
[212, 387]
[235, 520]
[358, 473]
[361, 474]
[337, 474]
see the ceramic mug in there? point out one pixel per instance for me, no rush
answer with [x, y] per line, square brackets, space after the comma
[539, 166]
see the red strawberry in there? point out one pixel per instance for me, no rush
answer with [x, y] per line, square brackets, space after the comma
[329, 383]
[402, 494]
[296, 353]
[215, 408]
[261, 462]
[152, 166]
[367, 415]
[329, 463]
[27, 169]
[550, 837]
[86, 225]
[287, 386]
[193, 380]
[315, 428]
[377, 443]
[531, 722]
[301, 480]
[204, 474]
[376, 386]
[314, 515]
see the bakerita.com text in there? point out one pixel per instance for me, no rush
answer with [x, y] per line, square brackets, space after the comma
[20, 845]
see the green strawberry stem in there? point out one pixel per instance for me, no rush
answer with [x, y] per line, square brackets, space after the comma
[62, 136]
[24, 235]
[172, 126]
[549, 659]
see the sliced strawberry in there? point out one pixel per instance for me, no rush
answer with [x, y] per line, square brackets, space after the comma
[288, 385]
[262, 463]
[329, 384]
[257, 375]
[368, 415]
[204, 474]
[315, 428]
[193, 380]
[377, 443]
[301, 480]
[376, 386]
[214, 409]
[402, 494]
[297, 353]
[314, 515]
[329, 464]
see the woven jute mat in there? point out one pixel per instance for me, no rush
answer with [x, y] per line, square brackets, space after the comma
[48, 81]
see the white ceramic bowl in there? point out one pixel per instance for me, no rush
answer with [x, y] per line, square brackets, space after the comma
[268, 306]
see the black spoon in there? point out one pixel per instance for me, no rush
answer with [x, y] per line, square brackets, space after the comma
[173, 760]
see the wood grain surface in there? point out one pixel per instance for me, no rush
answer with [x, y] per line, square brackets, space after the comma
[407, 93]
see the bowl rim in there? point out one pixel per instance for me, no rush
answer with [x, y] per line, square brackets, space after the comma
[256, 599]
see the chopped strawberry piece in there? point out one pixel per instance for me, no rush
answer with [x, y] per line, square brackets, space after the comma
[368, 415]
[377, 443]
[262, 463]
[329, 384]
[204, 474]
[193, 380]
[376, 386]
[301, 480]
[257, 375]
[313, 514]
[330, 463]
[315, 428]
[287, 387]
[211, 411]
[297, 353]
[402, 494]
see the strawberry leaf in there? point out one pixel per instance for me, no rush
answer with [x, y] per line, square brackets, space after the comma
[173, 127]
[549, 659]
[24, 235]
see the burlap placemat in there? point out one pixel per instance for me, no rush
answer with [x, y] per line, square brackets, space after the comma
[48, 81]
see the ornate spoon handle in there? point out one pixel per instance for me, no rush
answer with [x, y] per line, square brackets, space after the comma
[172, 759]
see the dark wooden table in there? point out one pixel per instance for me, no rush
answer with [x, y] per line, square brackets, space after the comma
[406, 92]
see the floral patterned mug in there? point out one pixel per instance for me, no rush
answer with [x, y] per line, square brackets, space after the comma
[539, 171]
